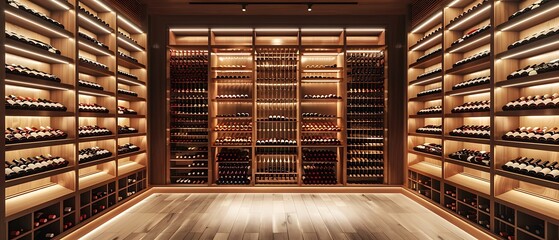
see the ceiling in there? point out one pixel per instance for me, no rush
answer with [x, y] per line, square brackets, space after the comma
[363, 7]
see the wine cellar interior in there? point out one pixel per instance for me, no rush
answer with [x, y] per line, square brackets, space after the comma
[112, 105]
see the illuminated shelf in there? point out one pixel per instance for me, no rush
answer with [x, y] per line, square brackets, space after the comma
[534, 112]
[529, 81]
[541, 46]
[467, 139]
[35, 53]
[528, 145]
[96, 114]
[433, 156]
[125, 135]
[130, 98]
[468, 164]
[38, 144]
[34, 23]
[427, 80]
[35, 198]
[539, 15]
[435, 115]
[129, 167]
[471, 43]
[37, 113]
[438, 136]
[470, 90]
[37, 176]
[232, 80]
[94, 92]
[125, 62]
[93, 48]
[247, 69]
[96, 162]
[31, 82]
[322, 70]
[530, 203]
[248, 100]
[321, 100]
[526, 178]
[128, 44]
[97, 138]
[471, 184]
[94, 179]
[123, 79]
[130, 154]
[131, 116]
[468, 114]
[60, 5]
[428, 61]
[232, 131]
[92, 24]
[326, 80]
[470, 67]
[93, 70]
[425, 98]
[471, 18]
[428, 42]
[426, 168]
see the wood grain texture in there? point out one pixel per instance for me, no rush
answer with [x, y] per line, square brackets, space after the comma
[277, 216]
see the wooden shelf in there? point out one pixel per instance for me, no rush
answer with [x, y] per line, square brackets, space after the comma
[469, 19]
[129, 167]
[96, 162]
[232, 100]
[470, 184]
[37, 176]
[470, 90]
[433, 156]
[427, 80]
[536, 112]
[96, 114]
[125, 62]
[468, 114]
[425, 98]
[529, 179]
[93, 48]
[543, 13]
[37, 113]
[123, 79]
[30, 82]
[541, 46]
[97, 138]
[130, 154]
[427, 169]
[131, 116]
[467, 139]
[472, 43]
[94, 92]
[94, 179]
[427, 42]
[325, 80]
[92, 70]
[35, 198]
[428, 61]
[35, 53]
[468, 165]
[436, 115]
[38, 144]
[470, 67]
[126, 135]
[529, 81]
[61, 5]
[528, 145]
[92, 24]
[130, 98]
[232, 69]
[530, 203]
[128, 44]
[438, 136]
[34, 23]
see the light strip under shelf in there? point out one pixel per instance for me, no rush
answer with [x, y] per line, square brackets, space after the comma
[470, 92]
[36, 54]
[425, 43]
[530, 50]
[36, 24]
[439, 14]
[131, 82]
[60, 4]
[103, 28]
[470, 17]
[458, 49]
[530, 18]
[34, 85]
[93, 93]
[131, 25]
[189, 29]
[130, 44]
[92, 48]
[424, 81]
[536, 81]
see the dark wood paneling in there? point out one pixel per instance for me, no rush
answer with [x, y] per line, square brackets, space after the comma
[420, 9]
[3, 224]
[158, 26]
[132, 9]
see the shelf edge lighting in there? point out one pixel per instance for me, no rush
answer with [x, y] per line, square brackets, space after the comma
[130, 44]
[457, 49]
[34, 85]
[439, 14]
[424, 81]
[530, 50]
[92, 48]
[36, 54]
[277, 30]
[103, 5]
[530, 18]
[131, 82]
[365, 30]
[536, 81]
[364, 51]
[430, 40]
[470, 17]
[188, 29]
[94, 23]
[137, 29]
[34, 23]
[470, 92]
[60, 4]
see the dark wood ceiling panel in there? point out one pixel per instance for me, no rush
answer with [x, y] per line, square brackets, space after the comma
[421, 9]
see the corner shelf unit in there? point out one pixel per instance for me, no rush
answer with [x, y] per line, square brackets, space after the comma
[500, 202]
[273, 70]
[81, 191]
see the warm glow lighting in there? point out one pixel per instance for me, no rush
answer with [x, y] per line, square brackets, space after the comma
[130, 44]
[60, 4]
[309, 8]
[233, 70]
[530, 18]
[365, 30]
[234, 54]
[232, 29]
[470, 92]
[188, 29]
[277, 41]
[34, 85]
[433, 18]
[131, 82]
[458, 49]
[470, 17]
[321, 71]
[424, 81]
[103, 5]
[453, 3]
[548, 86]
[94, 23]
[530, 50]
[320, 54]
[92, 48]
[320, 81]
[364, 51]
[92, 93]
[137, 29]
[428, 41]
[276, 29]
[36, 54]
[321, 29]
[531, 82]
[34, 23]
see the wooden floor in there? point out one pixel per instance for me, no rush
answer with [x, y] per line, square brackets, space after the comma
[277, 216]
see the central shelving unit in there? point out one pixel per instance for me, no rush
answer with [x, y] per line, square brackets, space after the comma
[271, 107]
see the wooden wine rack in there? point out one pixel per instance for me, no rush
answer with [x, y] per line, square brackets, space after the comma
[511, 201]
[79, 186]
[240, 52]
